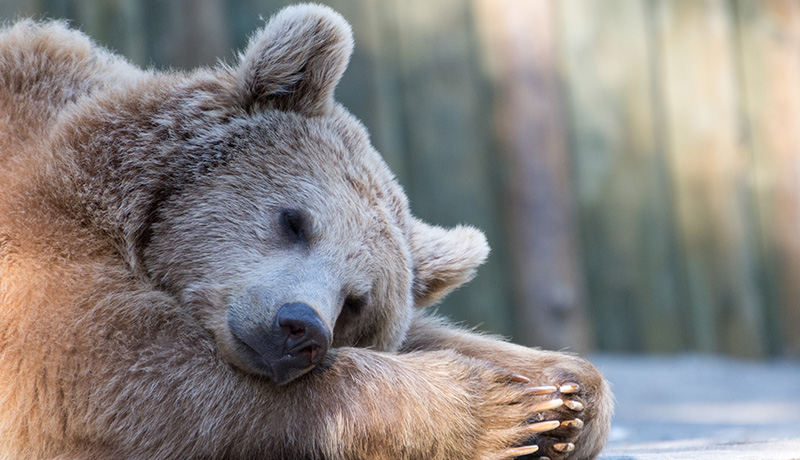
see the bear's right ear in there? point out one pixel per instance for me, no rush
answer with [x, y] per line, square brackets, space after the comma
[444, 259]
[295, 62]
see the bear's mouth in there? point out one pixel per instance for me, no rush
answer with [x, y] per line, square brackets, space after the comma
[281, 346]
[281, 368]
[250, 355]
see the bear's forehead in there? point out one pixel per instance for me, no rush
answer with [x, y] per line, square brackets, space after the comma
[332, 155]
[325, 165]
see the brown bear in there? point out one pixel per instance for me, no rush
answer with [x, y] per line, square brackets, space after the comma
[218, 265]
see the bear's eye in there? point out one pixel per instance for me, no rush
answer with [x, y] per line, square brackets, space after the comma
[353, 304]
[294, 225]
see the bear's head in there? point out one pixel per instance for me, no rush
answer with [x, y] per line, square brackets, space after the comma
[296, 239]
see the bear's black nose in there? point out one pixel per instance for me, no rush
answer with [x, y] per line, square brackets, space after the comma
[306, 337]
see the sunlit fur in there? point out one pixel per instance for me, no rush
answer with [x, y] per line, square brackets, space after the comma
[138, 207]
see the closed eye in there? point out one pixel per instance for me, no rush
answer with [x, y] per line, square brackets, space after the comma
[354, 305]
[294, 225]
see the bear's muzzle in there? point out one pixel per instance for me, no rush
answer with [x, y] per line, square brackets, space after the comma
[295, 342]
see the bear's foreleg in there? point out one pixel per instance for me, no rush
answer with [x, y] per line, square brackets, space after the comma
[173, 398]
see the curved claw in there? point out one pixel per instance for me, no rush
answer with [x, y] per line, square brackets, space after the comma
[520, 451]
[541, 427]
[541, 390]
[548, 405]
[564, 447]
[519, 378]
[574, 405]
[576, 423]
[569, 388]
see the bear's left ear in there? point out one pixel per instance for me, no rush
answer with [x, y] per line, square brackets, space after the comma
[444, 259]
[295, 62]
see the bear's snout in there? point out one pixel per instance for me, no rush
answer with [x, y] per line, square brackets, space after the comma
[300, 339]
[305, 337]
[291, 344]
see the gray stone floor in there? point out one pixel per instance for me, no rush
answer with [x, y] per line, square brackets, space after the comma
[702, 407]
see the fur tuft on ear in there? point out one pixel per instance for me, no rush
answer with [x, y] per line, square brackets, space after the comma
[295, 62]
[444, 259]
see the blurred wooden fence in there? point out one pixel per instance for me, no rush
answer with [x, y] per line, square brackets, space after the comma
[635, 164]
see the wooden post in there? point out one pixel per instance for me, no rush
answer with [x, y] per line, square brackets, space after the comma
[711, 173]
[520, 37]
[183, 34]
[11, 10]
[770, 62]
[622, 184]
[451, 168]
[370, 88]
[118, 25]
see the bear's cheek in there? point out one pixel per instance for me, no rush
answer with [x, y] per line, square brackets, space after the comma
[211, 306]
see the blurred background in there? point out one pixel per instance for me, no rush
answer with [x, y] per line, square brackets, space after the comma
[635, 164]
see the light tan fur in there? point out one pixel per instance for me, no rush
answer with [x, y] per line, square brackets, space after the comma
[139, 211]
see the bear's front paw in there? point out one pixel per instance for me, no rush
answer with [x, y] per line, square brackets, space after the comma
[558, 422]
[584, 414]
[528, 421]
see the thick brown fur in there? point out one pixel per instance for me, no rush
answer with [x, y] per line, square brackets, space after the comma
[139, 213]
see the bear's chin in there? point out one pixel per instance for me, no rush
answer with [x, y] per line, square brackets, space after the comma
[244, 358]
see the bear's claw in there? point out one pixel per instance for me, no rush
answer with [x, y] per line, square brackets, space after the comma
[519, 378]
[520, 451]
[541, 427]
[548, 405]
[569, 388]
[577, 423]
[574, 405]
[541, 390]
[564, 447]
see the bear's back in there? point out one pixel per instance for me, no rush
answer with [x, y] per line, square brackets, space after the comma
[45, 68]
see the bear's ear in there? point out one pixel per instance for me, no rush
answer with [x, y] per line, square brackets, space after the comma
[444, 259]
[295, 61]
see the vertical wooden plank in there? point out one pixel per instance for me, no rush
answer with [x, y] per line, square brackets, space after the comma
[57, 9]
[244, 17]
[769, 33]
[370, 87]
[521, 42]
[117, 25]
[183, 34]
[12, 10]
[710, 174]
[446, 130]
[622, 188]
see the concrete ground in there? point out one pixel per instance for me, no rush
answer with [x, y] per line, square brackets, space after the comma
[702, 407]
